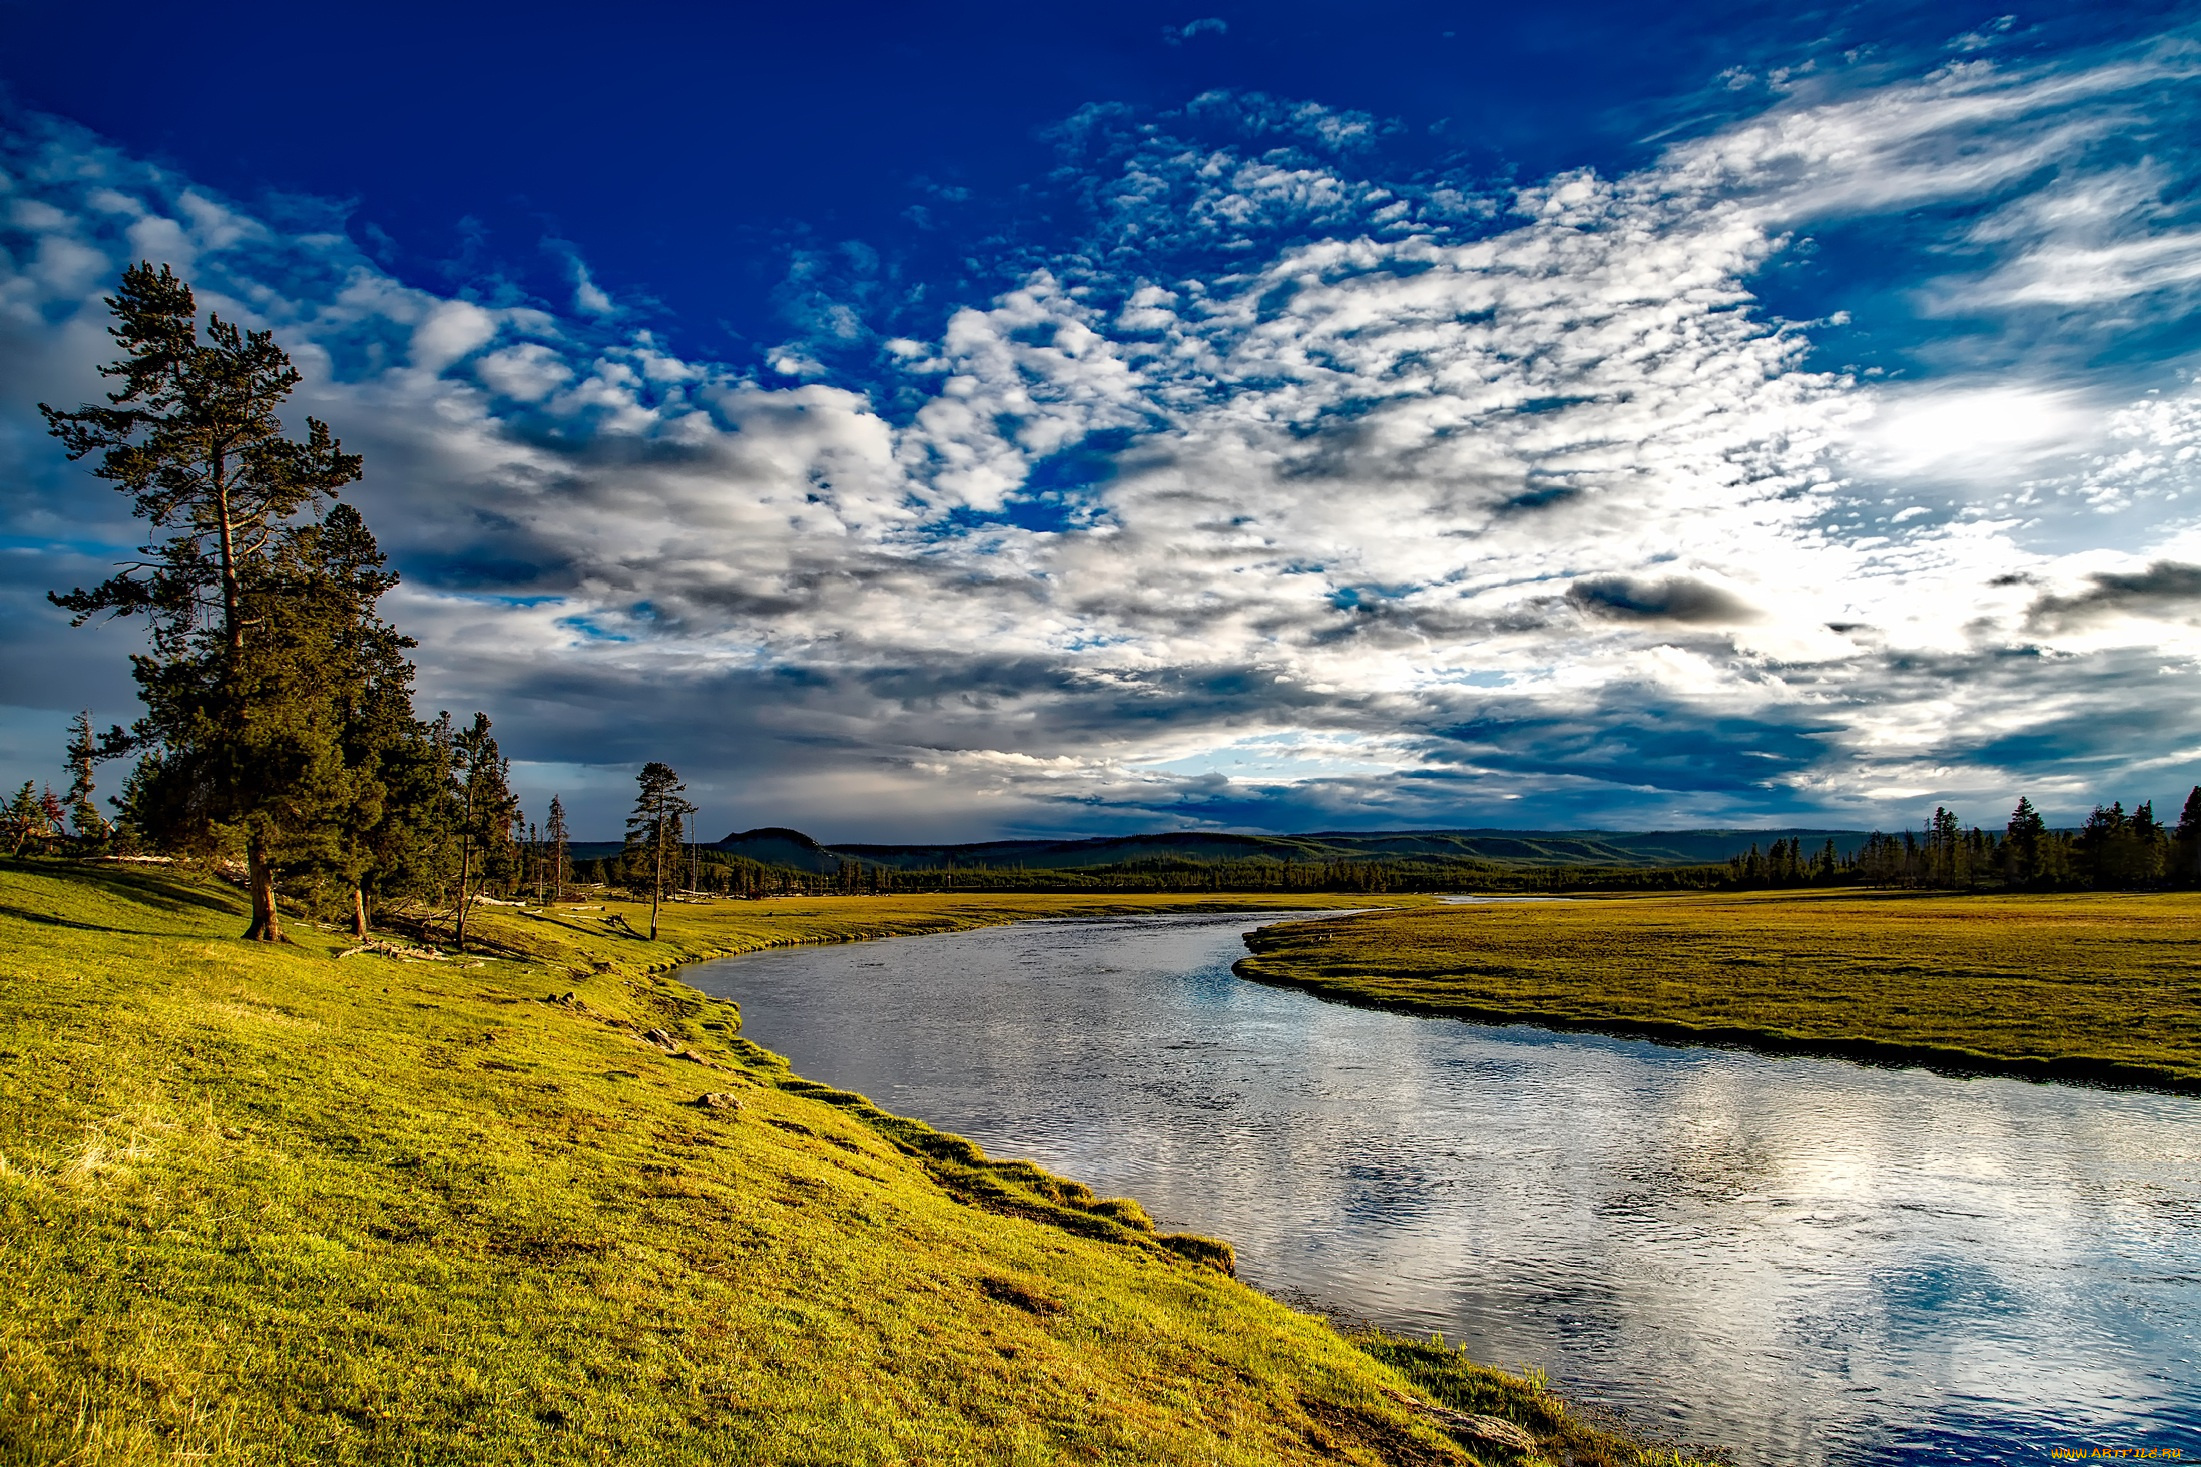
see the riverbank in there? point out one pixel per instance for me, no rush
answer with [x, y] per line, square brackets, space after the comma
[298, 1205]
[2093, 987]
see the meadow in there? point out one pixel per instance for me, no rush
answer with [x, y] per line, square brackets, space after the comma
[313, 1204]
[2100, 987]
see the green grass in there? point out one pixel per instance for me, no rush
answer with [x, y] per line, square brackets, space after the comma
[2086, 987]
[277, 1205]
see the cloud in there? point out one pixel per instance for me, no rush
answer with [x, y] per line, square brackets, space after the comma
[1282, 489]
[1677, 599]
[1996, 432]
[2166, 588]
[1208, 25]
[526, 372]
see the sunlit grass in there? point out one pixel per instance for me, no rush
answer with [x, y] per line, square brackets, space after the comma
[281, 1206]
[2083, 986]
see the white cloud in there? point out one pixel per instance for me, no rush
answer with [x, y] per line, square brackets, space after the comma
[451, 330]
[528, 372]
[1992, 434]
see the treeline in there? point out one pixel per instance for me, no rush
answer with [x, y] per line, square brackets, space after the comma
[2113, 850]
[708, 872]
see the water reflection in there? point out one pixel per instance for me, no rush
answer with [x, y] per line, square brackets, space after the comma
[1807, 1260]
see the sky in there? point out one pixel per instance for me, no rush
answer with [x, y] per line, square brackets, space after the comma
[934, 423]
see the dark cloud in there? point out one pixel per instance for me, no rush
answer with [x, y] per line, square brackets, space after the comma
[2163, 586]
[1673, 599]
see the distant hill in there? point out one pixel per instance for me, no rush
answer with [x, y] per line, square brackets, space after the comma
[777, 846]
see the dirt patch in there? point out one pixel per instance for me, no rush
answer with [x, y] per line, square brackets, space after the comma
[1335, 1429]
[1017, 1296]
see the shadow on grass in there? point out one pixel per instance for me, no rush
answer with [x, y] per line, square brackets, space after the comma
[177, 894]
[163, 890]
[47, 919]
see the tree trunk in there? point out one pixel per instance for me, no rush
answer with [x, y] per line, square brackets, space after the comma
[266, 925]
[657, 888]
[359, 914]
[466, 859]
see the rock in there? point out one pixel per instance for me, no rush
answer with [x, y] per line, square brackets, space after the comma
[718, 1100]
[1469, 1423]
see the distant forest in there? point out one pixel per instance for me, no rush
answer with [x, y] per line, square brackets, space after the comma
[2112, 850]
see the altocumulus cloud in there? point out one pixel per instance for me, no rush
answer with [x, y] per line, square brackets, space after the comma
[1285, 493]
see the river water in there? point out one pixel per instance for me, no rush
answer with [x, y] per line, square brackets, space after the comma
[1805, 1260]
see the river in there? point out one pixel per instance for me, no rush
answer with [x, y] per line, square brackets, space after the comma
[1805, 1260]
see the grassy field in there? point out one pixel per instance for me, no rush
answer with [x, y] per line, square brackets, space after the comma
[2085, 987]
[282, 1205]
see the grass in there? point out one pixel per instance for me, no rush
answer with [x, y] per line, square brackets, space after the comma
[281, 1205]
[2095, 987]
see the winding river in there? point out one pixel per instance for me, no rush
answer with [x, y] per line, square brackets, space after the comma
[1805, 1260]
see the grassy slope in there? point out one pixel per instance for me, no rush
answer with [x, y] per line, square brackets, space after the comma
[271, 1205]
[2104, 987]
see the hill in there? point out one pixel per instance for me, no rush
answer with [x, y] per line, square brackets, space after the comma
[1521, 848]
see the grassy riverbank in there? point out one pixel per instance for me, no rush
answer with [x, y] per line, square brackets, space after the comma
[281, 1205]
[2086, 986]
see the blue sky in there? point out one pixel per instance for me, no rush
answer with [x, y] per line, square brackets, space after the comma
[973, 422]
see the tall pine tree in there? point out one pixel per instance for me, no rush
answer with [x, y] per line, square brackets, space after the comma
[234, 748]
[2186, 840]
[653, 830]
[91, 827]
[481, 797]
[554, 836]
[2021, 844]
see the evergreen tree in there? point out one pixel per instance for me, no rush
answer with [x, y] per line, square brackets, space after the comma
[251, 748]
[31, 819]
[1945, 865]
[192, 436]
[653, 830]
[376, 827]
[2142, 863]
[2186, 840]
[554, 833]
[91, 827]
[411, 850]
[482, 800]
[2100, 840]
[2021, 844]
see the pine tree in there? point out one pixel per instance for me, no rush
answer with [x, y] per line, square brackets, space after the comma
[192, 436]
[1945, 863]
[2142, 862]
[482, 797]
[2099, 839]
[2021, 844]
[410, 851]
[2186, 839]
[653, 830]
[554, 832]
[375, 831]
[91, 827]
[24, 820]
